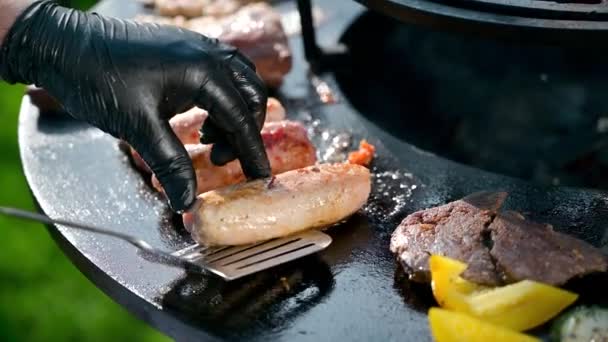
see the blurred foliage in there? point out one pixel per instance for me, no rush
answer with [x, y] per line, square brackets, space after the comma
[43, 297]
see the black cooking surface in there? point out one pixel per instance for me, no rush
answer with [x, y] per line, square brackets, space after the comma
[353, 290]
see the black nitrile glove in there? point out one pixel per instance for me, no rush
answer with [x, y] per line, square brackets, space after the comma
[129, 78]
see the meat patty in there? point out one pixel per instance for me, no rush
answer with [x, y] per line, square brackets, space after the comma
[287, 146]
[498, 247]
[312, 197]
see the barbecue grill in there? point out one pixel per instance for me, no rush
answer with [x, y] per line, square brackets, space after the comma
[408, 90]
[531, 20]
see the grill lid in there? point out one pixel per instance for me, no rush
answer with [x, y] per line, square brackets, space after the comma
[577, 21]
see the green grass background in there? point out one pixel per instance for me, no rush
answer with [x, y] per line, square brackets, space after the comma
[43, 297]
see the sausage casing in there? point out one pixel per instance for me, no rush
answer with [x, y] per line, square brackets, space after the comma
[311, 197]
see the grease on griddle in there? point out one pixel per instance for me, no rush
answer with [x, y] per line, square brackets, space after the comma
[326, 95]
[391, 189]
[337, 147]
[332, 146]
[285, 283]
[391, 192]
[417, 296]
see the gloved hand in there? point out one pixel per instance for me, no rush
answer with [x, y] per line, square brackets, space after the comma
[129, 78]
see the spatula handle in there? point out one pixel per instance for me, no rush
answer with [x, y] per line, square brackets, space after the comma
[27, 215]
[148, 252]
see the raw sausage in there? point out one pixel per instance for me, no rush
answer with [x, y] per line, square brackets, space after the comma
[187, 127]
[287, 146]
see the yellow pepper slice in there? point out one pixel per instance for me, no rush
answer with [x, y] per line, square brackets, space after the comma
[520, 306]
[449, 289]
[450, 326]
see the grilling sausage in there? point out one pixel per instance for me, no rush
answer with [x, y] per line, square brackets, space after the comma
[287, 146]
[312, 197]
[187, 126]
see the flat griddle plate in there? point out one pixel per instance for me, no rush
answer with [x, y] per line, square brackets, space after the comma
[353, 290]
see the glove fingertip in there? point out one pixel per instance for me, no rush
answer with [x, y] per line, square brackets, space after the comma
[209, 133]
[169, 161]
[180, 188]
[221, 154]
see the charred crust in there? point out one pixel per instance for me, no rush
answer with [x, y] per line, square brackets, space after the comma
[488, 243]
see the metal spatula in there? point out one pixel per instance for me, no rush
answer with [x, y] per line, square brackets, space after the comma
[229, 262]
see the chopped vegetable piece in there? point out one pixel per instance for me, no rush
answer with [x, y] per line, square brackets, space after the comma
[364, 155]
[449, 289]
[450, 326]
[585, 323]
[520, 306]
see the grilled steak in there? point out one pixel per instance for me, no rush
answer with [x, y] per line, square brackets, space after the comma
[529, 250]
[256, 30]
[196, 8]
[455, 230]
[498, 247]
[173, 8]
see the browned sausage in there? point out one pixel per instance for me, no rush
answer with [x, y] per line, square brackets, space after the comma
[312, 197]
